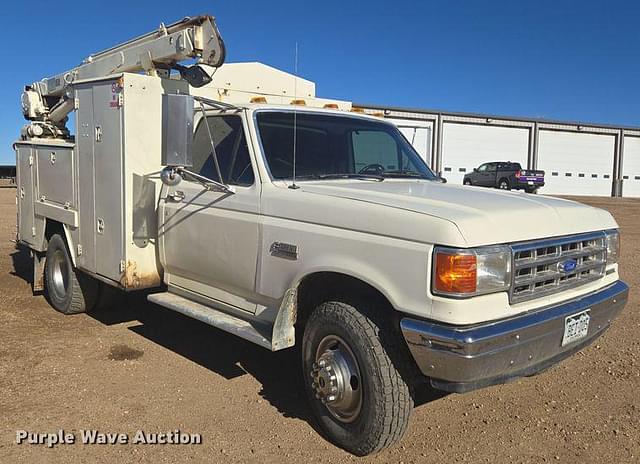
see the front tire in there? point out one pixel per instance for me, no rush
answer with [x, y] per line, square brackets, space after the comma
[466, 182]
[350, 366]
[67, 289]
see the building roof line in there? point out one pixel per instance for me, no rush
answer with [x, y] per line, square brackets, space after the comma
[494, 116]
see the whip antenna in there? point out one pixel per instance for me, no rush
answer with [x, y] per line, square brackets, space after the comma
[295, 116]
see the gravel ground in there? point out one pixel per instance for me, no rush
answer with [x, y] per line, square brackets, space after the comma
[139, 366]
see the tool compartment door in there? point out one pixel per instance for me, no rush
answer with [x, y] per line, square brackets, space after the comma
[25, 177]
[55, 174]
[109, 184]
[86, 257]
[100, 178]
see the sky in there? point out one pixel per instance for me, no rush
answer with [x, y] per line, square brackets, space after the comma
[567, 60]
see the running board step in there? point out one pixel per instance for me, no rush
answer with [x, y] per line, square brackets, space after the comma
[249, 330]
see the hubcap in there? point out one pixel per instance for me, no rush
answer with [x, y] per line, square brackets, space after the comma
[60, 277]
[336, 379]
[504, 185]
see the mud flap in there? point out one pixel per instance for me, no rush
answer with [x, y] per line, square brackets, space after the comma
[283, 335]
[38, 271]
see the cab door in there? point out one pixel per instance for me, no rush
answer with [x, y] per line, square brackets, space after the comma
[486, 175]
[210, 238]
[491, 175]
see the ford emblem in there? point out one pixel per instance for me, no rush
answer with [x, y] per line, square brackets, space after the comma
[568, 266]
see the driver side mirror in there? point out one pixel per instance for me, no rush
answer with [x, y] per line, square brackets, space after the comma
[475, 169]
[177, 129]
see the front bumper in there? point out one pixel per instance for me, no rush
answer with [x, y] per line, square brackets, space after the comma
[464, 358]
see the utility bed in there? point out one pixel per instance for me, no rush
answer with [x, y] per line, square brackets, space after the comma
[104, 187]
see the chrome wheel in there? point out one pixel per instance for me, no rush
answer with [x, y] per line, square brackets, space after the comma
[336, 379]
[60, 277]
[504, 185]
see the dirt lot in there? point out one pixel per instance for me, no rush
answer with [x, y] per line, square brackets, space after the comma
[142, 367]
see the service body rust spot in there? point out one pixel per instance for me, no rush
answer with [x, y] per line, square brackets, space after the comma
[132, 278]
[124, 353]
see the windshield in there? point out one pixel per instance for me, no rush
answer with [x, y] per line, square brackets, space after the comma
[336, 146]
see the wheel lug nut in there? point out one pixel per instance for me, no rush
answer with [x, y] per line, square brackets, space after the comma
[321, 363]
[331, 398]
[332, 378]
[334, 389]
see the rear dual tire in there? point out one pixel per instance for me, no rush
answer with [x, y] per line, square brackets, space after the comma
[67, 289]
[351, 367]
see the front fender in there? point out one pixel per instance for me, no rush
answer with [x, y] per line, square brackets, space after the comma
[398, 269]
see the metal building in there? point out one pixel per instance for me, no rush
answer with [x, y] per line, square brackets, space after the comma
[7, 171]
[578, 158]
[7, 175]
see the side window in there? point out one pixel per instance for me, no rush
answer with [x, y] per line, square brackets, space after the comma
[491, 166]
[374, 147]
[231, 147]
[482, 168]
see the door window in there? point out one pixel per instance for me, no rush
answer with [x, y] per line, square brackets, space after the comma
[482, 168]
[231, 149]
[491, 166]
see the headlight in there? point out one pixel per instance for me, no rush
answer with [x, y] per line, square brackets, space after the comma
[613, 246]
[462, 272]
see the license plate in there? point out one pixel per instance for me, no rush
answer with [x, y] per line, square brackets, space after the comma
[576, 327]
[530, 182]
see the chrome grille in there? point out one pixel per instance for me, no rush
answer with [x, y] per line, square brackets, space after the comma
[545, 267]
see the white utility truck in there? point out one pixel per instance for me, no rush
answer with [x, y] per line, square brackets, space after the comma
[289, 224]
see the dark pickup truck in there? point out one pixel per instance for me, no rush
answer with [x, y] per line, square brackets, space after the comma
[505, 175]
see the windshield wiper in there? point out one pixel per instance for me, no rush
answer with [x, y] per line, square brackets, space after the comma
[379, 178]
[405, 173]
[341, 176]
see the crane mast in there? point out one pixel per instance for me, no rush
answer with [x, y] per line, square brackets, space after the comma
[46, 103]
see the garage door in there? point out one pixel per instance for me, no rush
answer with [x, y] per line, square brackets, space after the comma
[467, 146]
[631, 167]
[575, 163]
[419, 134]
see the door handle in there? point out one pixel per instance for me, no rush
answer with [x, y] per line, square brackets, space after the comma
[177, 196]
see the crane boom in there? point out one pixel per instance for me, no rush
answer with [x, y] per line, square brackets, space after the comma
[155, 53]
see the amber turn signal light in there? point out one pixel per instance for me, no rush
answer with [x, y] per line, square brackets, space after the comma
[455, 273]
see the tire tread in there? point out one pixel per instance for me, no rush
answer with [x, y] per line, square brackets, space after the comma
[84, 290]
[396, 400]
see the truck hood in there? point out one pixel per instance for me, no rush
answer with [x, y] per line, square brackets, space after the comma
[483, 216]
